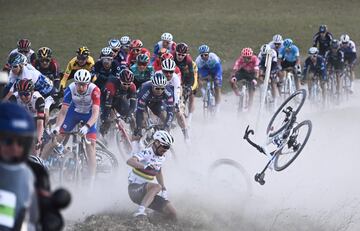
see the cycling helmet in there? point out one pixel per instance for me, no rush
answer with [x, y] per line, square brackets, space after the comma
[159, 80]
[166, 56]
[264, 49]
[24, 45]
[313, 51]
[164, 137]
[288, 43]
[168, 65]
[142, 58]
[136, 43]
[44, 53]
[126, 76]
[114, 44]
[83, 51]
[166, 37]
[106, 52]
[322, 28]
[344, 38]
[37, 161]
[182, 48]
[204, 49]
[277, 38]
[334, 44]
[247, 52]
[17, 58]
[82, 76]
[125, 41]
[25, 85]
[15, 121]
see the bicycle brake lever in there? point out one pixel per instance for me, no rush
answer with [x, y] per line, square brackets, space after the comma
[247, 132]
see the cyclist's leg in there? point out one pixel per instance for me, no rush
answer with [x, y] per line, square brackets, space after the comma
[274, 83]
[309, 82]
[217, 83]
[158, 110]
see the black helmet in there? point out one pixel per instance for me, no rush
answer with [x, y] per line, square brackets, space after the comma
[322, 28]
[334, 44]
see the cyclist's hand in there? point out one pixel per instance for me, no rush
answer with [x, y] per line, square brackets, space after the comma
[233, 79]
[164, 194]
[63, 83]
[149, 167]
[84, 130]
[137, 132]
[55, 130]
[254, 82]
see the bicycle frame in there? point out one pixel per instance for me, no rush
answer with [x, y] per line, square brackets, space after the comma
[209, 98]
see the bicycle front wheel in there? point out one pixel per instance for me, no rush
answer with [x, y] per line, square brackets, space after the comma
[295, 144]
[106, 162]
[282, 117]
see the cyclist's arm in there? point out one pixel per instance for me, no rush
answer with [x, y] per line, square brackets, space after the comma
[95, 107]
[141, 105]
[132, 99]
[62, 114]
[169, 109]
[66, 75]
[135, 162]
[40, 117]
[160, 179]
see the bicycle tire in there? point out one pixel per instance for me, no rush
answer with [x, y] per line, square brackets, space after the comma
[101, 155]
[270, 128]
[278, 154]
[68, 169]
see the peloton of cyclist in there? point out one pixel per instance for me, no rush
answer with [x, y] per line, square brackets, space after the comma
[158, 96]
[105, 68]
[165, 42]
[273, 80]
[119, 94]
[335, 62]
[34, 103]
[210, 69]
[146, 166]
[81, 103]
[322, 40]
[350, 57]
[189, 76]
[246, 68]
[47, 65]
[168, 68]
[136, 48]
[83, 60]
[315, 66]
[142, 70]
[289, 57]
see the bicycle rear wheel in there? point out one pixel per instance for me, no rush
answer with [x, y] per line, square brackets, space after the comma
[281, 118]
[106, 162]
[69, 169]
[295, 144]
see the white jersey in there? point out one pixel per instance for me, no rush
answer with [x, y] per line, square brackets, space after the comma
[146, 157]
[28, 55]
[31, 105]
[82, 102]
[175, 83]
[351, 47]
[209, 63]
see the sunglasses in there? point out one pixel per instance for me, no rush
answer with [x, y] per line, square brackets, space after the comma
[14, 67]
[45, 60]
[142, 64]
[204, 55]
[115, 50]
[136, 50]
[81, 84]
[159, 88]
[24, 93]
[166, 147]
[168, 72]
[81, 58]
[125, 84]
[181, 55]
[24, 51]
[11, 140]
[277, 44]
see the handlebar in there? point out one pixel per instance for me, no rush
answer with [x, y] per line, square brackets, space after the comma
[246, 137]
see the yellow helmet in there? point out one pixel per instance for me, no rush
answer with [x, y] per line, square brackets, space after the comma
[83, 51]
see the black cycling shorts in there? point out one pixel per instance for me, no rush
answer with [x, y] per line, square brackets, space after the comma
[137, 193]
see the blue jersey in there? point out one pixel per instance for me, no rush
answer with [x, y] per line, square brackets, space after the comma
[290, 55]
[211, 66]
[317, 68]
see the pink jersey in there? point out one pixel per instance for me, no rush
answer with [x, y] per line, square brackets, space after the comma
[251, 66]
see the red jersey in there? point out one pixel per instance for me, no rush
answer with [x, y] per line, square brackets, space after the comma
[131, 57]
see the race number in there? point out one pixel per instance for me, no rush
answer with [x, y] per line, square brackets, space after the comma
[7, 208]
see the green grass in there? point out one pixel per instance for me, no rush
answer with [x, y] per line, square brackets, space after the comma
[226, 26]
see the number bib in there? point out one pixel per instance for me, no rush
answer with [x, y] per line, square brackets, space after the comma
[7, 208]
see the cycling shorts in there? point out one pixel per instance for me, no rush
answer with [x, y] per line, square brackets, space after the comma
[137, 193]
[350, 58]
[215, 73]
[285, 64]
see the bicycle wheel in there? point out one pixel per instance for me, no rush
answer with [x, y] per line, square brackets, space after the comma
[123, 143]
[290, 107]
[295, 144]
[106, 162]
[68, 169]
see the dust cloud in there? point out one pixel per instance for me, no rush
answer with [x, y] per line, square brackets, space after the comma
[319, 191]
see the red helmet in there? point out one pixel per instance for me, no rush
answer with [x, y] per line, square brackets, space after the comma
[25, 85]
[126, 76]
[136, 43]
[182, 48]
[247, 52]
[166, 56]
[24, 45]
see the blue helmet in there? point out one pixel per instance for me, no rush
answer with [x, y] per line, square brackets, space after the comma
[322, 28]
[204, 49]
[15, 121]
[287, 43]
[17, 59]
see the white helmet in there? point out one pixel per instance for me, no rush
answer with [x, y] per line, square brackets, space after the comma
[344, 38]
[114, 43]
[106, 52]
[167, 37]
[313, 51]
[277, 38]
[159, 80]
[264, 49]
[125, 40]
[164, 137]
[82, 76]
[168, 65]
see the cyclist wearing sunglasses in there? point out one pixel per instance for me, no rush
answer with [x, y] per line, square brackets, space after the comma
[47, 65]
[34, 103]
[276, 43]
[166, 41]
[83, 60]
[158, 96]
[119, 94]
[189, 75]
[136, 48]
[314, 66]
[210, 69]
[335, 62]
[105, 68]
[158, 62]
[322, 40]
[124, 50]
[143, 72]
[146, 166]
[23, 47]
[168, 68]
